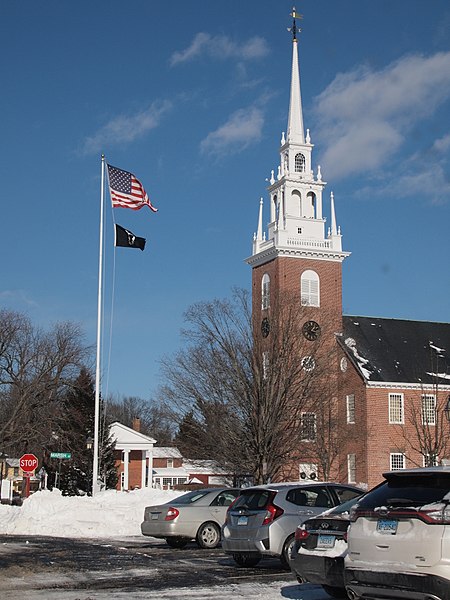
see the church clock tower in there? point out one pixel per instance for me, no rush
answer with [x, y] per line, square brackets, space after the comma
[299, 254]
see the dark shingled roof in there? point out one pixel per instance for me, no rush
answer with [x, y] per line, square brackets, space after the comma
[398, 351]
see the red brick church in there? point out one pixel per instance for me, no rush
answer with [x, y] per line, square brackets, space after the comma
[392, 376]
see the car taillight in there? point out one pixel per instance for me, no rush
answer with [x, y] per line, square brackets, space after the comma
[301, 534]
[172, 513]
[273, 512]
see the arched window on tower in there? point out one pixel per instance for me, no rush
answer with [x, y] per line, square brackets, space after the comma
[310, 288]
[300, 163]
[265, 291]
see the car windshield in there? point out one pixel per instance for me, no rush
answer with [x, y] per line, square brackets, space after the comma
[253, 499]
[408, 490]
[190, 497]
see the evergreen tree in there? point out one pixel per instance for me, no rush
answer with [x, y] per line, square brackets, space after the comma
[78, 439]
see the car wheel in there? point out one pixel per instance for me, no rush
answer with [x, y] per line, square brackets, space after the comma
[208, 536]
[243, 559]
[287, 549]
[177, 542]
[335, 592]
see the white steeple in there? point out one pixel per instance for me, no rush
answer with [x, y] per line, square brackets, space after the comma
[296, 227]
[295, 119]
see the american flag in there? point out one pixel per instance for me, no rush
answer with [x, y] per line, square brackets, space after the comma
[127, 191]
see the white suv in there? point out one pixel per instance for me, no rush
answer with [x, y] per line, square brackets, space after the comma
[399, 538]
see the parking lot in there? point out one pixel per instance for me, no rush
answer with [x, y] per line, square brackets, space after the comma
[43, 567]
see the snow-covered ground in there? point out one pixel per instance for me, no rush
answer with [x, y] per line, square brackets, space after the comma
[114, 514]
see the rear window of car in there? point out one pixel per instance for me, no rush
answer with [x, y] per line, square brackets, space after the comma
[190, 497]
[407, 490]
[253, 499]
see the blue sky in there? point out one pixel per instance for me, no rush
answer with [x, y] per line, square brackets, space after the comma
[192, 97]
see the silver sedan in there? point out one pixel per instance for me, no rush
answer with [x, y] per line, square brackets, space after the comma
[197, 515]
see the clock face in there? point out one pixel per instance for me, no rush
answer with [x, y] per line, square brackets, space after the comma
[311, 330]
[265, 327]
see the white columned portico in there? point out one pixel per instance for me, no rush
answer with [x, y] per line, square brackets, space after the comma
[126, 462]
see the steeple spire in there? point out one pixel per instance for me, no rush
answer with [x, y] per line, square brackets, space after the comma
[295, 131]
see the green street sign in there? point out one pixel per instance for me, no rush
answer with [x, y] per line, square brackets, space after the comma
[64, 455]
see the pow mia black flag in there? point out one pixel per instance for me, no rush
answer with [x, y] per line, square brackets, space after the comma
[127, 239]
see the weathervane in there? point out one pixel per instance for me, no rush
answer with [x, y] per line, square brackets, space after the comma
[294, 28]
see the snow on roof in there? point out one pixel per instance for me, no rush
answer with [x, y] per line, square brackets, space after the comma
[397, 350]
[166, 452]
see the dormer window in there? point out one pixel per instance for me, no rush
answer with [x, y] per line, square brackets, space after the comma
[300, 162]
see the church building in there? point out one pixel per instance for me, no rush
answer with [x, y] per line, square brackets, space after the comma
[392, 376]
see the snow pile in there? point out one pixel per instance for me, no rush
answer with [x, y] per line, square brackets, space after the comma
[107, 514]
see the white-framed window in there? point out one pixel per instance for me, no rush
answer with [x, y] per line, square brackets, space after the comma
[300, 163]
[428, 409]
[351, 468]
[310, 288]
[167, 480]
[265, 291]
[265, 364]
[181, 479]
[397, 461]
[308, 426]
[350, 408]
[430, 460]
[170, 463]
[396, 409]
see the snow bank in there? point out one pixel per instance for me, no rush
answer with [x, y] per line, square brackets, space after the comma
[107, 514]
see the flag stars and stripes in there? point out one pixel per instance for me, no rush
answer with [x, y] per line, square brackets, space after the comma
[127, 191]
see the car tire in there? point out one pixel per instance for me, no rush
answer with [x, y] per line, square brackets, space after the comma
[208, 535]
[286, 553]
[244, 559]
[335, 592]
[177, 542]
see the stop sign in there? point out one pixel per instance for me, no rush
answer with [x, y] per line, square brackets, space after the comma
[28, 463]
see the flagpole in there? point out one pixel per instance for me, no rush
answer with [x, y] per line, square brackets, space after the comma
[99, 330]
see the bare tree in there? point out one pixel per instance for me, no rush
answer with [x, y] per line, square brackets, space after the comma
[155, 419]
[36, 367]
[246, 391]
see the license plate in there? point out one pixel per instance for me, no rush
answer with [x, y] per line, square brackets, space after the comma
[325, 541]
[242, 520]
[387, 526]
[154, 516]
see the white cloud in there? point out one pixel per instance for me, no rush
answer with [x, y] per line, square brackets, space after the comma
[365, 115]
[243, 128]
[443, 144]
[126, 128]
[221, 47]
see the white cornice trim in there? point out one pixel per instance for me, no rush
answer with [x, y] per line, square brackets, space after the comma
[312, 254]
[407, 386]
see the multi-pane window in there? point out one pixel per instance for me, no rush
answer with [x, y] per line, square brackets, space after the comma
[350, 408]
[170, 463]
[299, 163]
[430, 460]
[265, 291]
[308, 427]
[397, 461]
[428, 409]
[309, 288]
[396, 412]
[351, 468]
